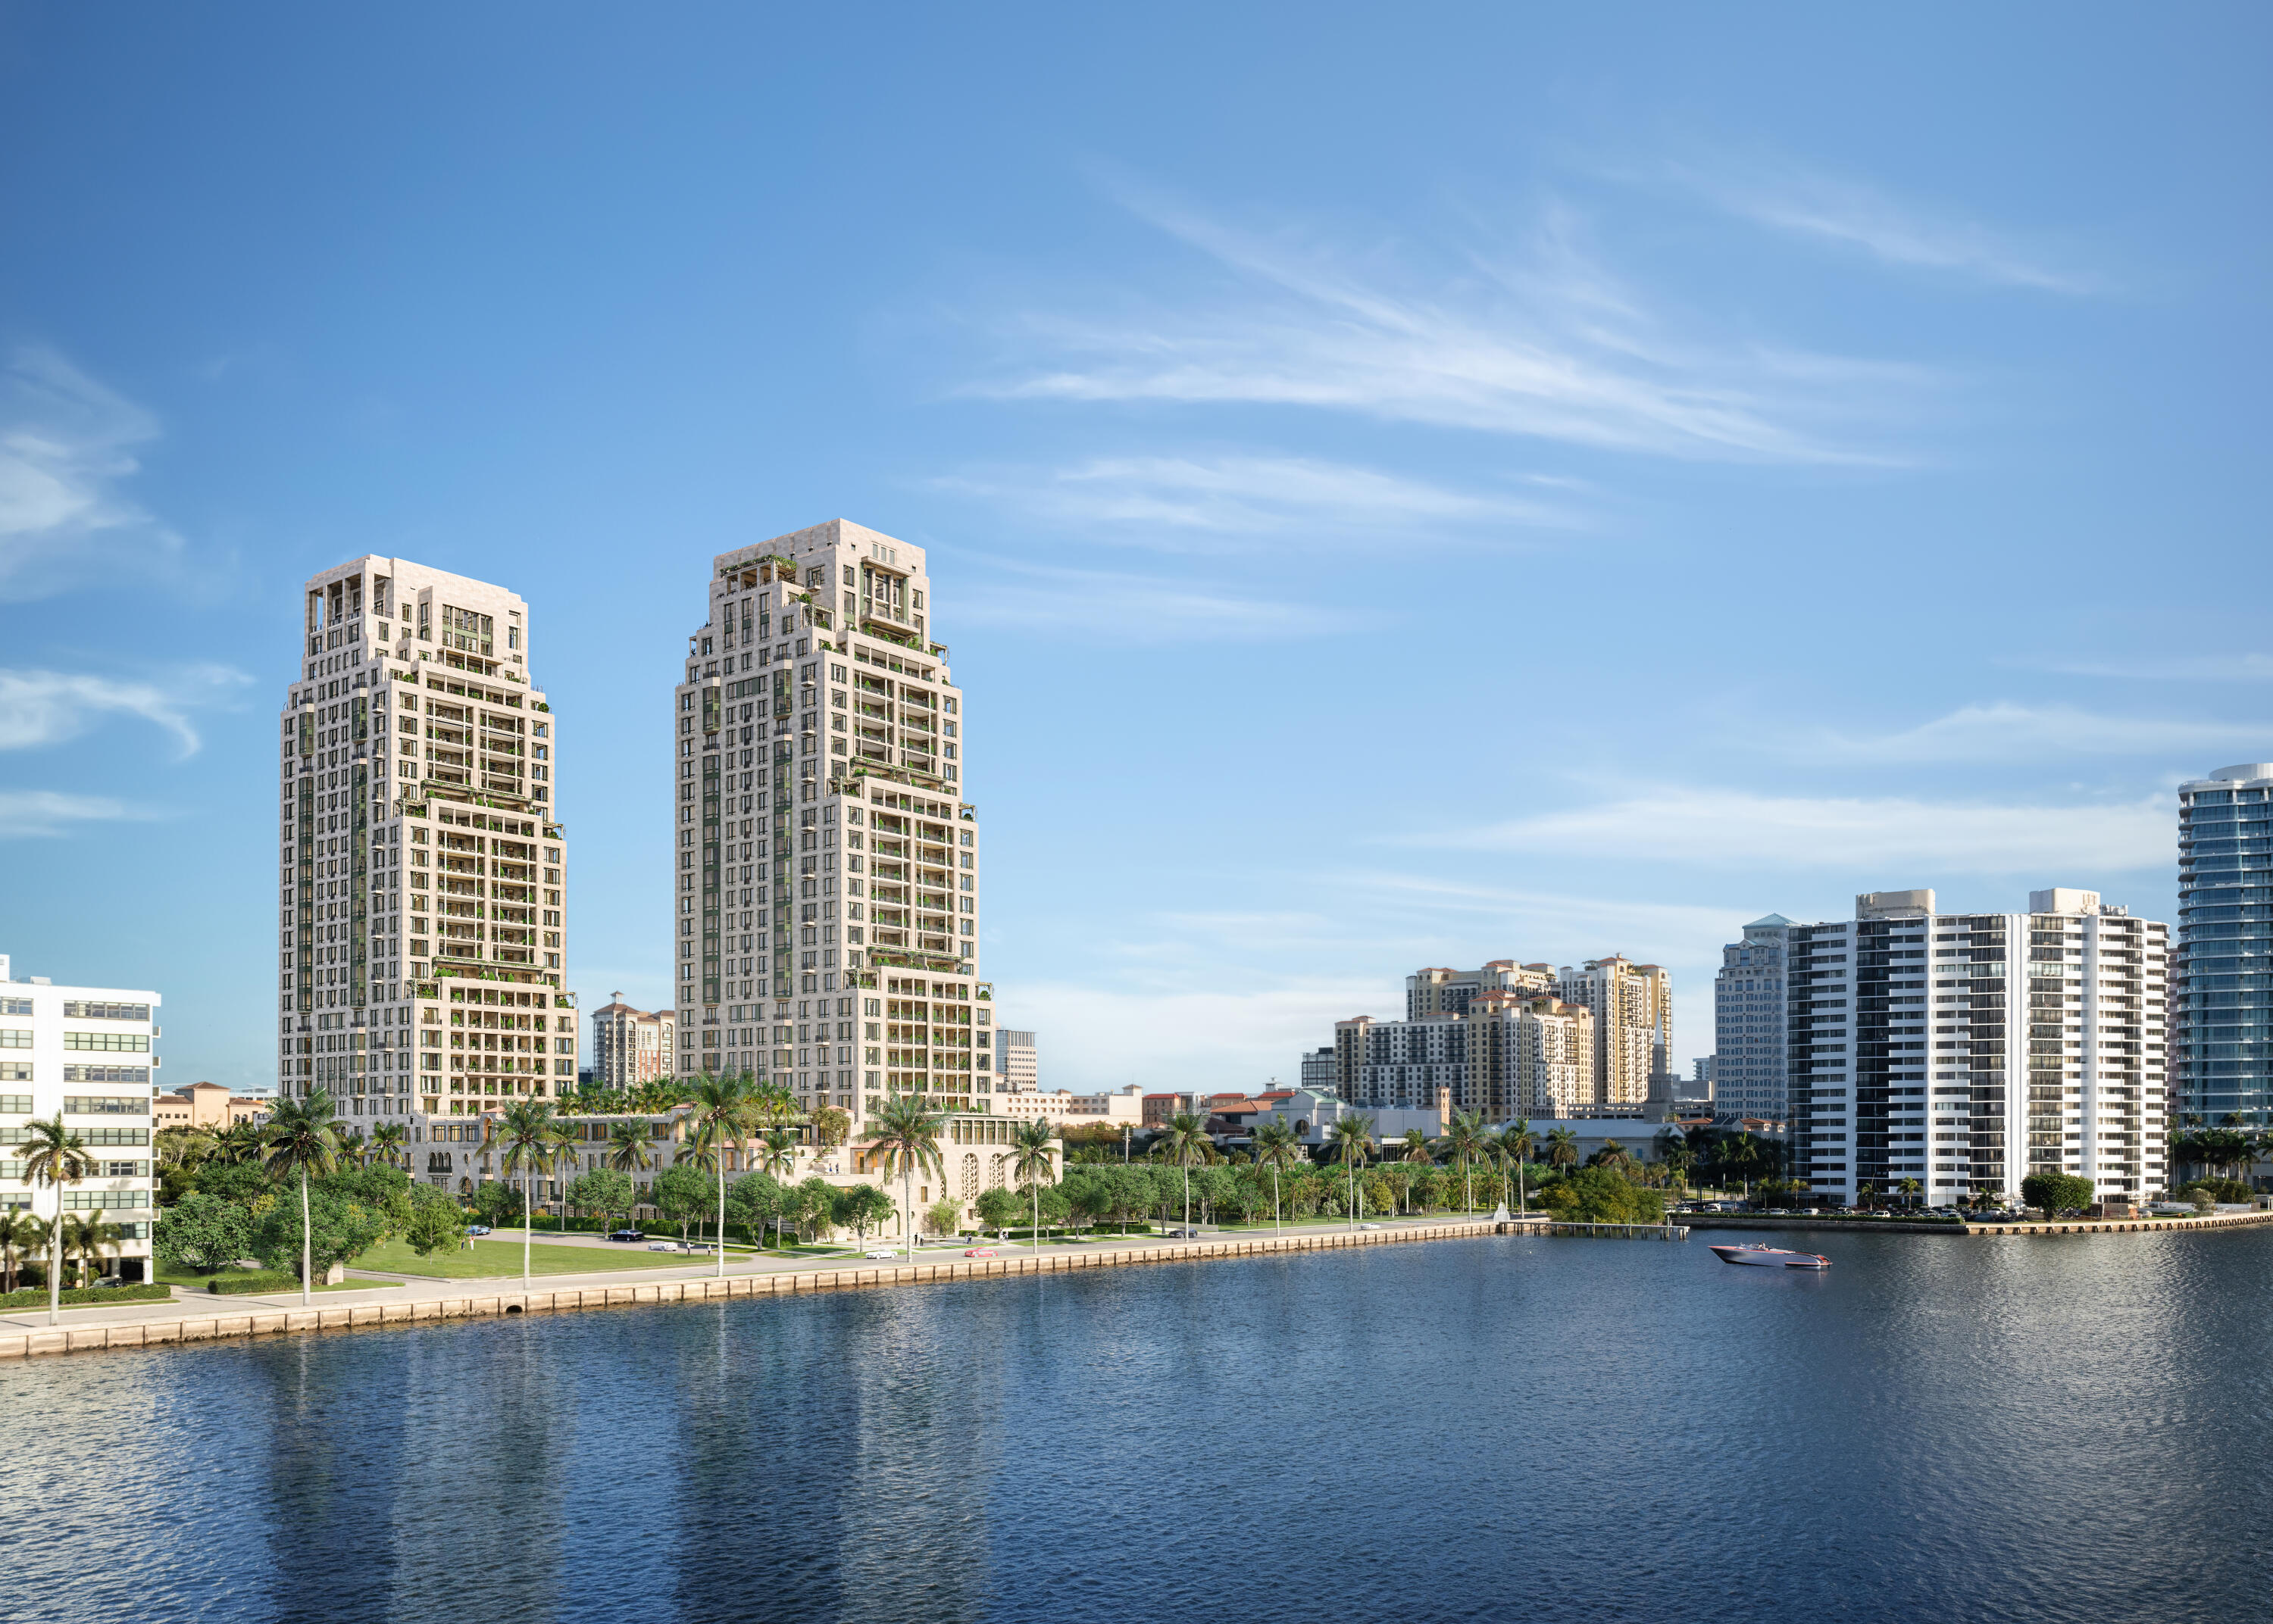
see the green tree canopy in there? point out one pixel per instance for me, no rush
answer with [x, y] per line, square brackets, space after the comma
[339, 1228]
[1600, 1195]
[861, 1208]
[602, 1190]
[1000, 1209]
[2055, 1191]
[202, 1233]
[681, 1194]
[437, 1222]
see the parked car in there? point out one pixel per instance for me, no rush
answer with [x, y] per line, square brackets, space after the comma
[630, 1235]
[883, 1251]
[1181, 1234]
[978, 1252]
[477, 1228]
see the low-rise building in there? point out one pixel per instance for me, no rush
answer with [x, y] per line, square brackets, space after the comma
[209, 1105]
[88, 1054]
[1123, 1106]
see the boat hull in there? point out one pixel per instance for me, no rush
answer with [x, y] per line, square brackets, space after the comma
[1770, 1257]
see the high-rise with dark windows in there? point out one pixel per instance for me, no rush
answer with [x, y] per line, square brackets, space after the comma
[2224, 983]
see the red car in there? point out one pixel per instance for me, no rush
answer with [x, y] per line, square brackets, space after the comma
[978, 1252]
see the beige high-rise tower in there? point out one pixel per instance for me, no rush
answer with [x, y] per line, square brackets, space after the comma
[422, 893]
[825, 908]
[1634, 1024]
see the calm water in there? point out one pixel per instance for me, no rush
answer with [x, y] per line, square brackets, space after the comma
[1543, 1429]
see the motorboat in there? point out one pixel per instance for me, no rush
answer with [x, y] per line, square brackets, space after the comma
[1771, 1257]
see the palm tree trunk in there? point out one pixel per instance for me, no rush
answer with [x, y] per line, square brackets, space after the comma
[55, 1262]
[722, 1216]
[307, 1247]
[528, 1222]
[908, 1201]
[1278, 1225]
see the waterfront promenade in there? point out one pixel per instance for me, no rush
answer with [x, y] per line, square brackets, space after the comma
[196, 1316]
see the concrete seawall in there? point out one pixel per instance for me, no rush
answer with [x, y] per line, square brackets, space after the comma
[1911, 1226]
[487, 1300]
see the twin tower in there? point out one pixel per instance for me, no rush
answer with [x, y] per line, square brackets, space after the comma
[823, 921]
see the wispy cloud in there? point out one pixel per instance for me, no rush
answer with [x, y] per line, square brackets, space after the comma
[46, 707]
[2180, 667]
[2003, 731]
[1046, 598]
[29, 814]
[1545, 344]
[66, 449]
[1855, 215]
[1722, 828]
[1178, 503]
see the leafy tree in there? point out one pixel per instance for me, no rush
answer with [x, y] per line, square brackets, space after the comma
[1055, 1205]
[245, 1183]
[328, 1228]
[1600, 1195]
[756, 1199]
[2219, 1190]
[831, 1127]
[495, 1204]
[1091, 1201]
[943, 1217]
[999, 1209]
[53, 1155]
[602, 1190]
[907, 1133]
[437, 1222]
[681, 1192]
[202, 1233]
[816, 1207]
[2055, 1192]
[863, 1207]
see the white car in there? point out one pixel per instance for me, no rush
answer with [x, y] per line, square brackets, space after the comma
[883, 1255]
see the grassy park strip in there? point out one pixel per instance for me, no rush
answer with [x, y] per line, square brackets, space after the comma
[488, 1259]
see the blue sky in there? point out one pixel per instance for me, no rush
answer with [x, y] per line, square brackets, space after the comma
[1406, 485]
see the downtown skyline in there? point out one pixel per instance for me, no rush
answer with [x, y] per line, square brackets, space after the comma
[1616, 412]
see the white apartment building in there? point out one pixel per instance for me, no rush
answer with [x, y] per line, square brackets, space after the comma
[632, 1046]
[825, 908]
[422, 922]
[1634, 1024]
[88, 1053]
[1017, 1064]
[1968, 1050]
[1748, 1010]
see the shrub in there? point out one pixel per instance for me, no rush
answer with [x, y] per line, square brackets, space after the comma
[1599, 1195]
[252, 1282]
[2219, 1190]
[83, 1294]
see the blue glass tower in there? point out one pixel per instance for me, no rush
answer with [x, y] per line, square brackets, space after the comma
[2224, 983]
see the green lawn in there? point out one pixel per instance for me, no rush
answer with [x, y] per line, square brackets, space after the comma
[487, 1258]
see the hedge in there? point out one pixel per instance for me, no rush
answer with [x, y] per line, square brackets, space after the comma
[253, 1281]
[81, 1295]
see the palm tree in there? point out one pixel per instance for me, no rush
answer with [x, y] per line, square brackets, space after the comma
[1277, 1145]
[386, 1141]
[1465, 1141]
[236, 1144]
[1674, 1154]
[529, 1140]
[1416, 1150]
[907, 1131]
[88, 1238]
[353, 1146]
[776, 1156]
[54, 1155]
[1352, 1142]
[631, 1150]
[1186, 1143]
[1030, 1160]
[1912, 1188]
[1514, 1146]
[19, 1232]
[1563, 1146]
[182, 1147]
[300, 1140]
[726, 1112]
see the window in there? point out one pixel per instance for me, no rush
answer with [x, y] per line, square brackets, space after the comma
[105, 1011]
[9, 1102]
[105, 1106]
[15, 1006]
[15, 1037]
[124, 1042]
